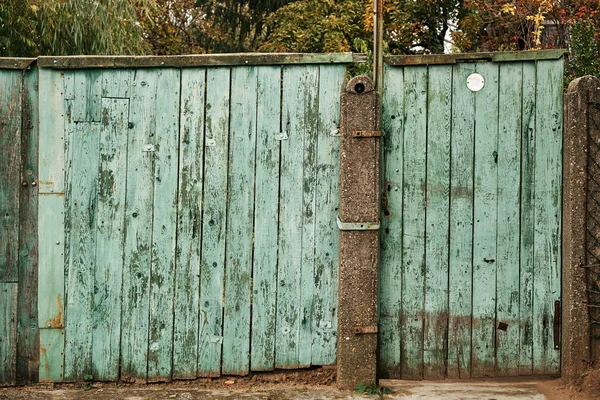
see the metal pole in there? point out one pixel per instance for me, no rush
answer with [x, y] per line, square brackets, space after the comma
[378, 45]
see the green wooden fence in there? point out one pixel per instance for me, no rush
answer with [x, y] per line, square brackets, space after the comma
[184, 212]
[186, 218]
[470, 258]
[18, 215]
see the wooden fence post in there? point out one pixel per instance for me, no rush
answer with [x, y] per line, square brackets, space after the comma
[575, 314]
[359, 234]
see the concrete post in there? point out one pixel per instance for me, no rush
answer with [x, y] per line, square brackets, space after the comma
[359, 234]
[575, 312]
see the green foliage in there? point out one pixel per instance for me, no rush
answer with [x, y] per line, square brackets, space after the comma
[372, 389]
[318, 26]
[71, 27]
[17, 37]
[419, 26]
[585, 48]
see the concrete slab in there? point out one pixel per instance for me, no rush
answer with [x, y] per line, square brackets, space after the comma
[513, 389]
[404, 390]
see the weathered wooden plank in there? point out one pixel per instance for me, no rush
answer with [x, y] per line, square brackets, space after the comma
[52, 346]
[527, 220]
[8, 333]
[87, 92]
[309, 132]
[162, 278]
[108, 274]
[51, 177]
[509, 56]
[266, 219]
[461, 224]
[189, 217]
[485, 223]
[138, 225]
[197, 60]
[240, 221]
[15, 63]
[214, 221]
[390, 277]
[413, 234]
[116, 83]
[439, 117]
[547, 186]
[296, 80]
[28, 353]
[51, 264]
[11, 84]
[69, 89]
[324, 313]
[82, 201]
[509, 180]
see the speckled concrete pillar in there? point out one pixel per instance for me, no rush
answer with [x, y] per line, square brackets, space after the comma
[575, 315]
[359, 203]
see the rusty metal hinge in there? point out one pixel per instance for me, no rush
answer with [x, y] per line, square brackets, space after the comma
[557, 320]
[361, 330]
[366, 134]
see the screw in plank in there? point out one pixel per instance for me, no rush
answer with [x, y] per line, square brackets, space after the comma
[34, 183]
[24, 184]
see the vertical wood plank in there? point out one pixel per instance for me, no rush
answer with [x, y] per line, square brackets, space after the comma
[413, 234]
[82, 201]
[51, 177]
[439, 117]
[28, 353]
[292, 314]
[324, 313]
[51, 235]
[461, 224]
[266, 219]
[485, 223]
[390, 278]
[138, 225]
[52, 346]
[108, 274]
[191, 184]
[162, 280]
[8, 333]
[527, 220]
[11, 83]
[548, 196]
[214, 221]
[509, 180]
[87, 91]
[240, 221]
[116, 83]
[309, 132]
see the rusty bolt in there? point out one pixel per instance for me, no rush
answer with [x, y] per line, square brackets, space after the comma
[34, 184]
[24, 184]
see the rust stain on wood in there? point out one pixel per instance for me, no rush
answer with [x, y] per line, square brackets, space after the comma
[58, 320]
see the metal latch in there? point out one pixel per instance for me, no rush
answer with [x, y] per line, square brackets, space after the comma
[357, 226]
[361, 330]
[366, 134]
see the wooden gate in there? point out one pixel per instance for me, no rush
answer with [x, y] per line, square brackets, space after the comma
[471, 225]
[186, 215]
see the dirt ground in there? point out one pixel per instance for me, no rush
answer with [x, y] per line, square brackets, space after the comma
[318, 383]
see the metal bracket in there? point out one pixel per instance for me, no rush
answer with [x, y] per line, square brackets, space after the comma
[366, 134]
[148, 148]
[357, 226]
[361, 330]
[282, 136]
